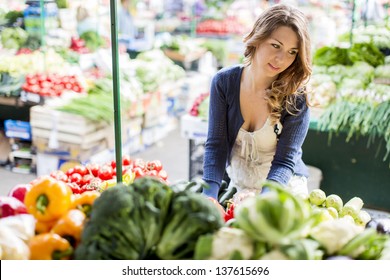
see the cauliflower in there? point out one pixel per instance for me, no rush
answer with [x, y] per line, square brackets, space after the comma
[334, 234]
[225, 244]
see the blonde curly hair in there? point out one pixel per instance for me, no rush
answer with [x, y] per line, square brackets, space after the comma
[291, 82]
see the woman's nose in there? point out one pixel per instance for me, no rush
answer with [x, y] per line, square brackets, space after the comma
[279, 57]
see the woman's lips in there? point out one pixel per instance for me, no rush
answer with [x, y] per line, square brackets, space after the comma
[273, 67]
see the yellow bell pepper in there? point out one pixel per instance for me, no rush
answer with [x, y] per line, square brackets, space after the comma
[49, 246]
[48, 199]
[84, 201]
[43, 227]
[70, 226]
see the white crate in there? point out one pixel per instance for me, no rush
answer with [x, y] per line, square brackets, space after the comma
[193, 128]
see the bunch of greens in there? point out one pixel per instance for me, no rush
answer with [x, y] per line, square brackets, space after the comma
[126, 222]
[367, 52]
[147, 220]
[153, 69]
[191, 216]
[93, 40]
[328, 56]
[358, 119]
[13, 37]
[98, 105]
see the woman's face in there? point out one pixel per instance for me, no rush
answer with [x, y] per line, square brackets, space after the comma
[278, 52]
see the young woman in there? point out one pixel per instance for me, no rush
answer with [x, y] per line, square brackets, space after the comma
[258, 116]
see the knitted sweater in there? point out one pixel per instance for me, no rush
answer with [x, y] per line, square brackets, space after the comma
[225, 120]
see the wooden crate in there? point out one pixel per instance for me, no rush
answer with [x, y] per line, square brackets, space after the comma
[47, 123]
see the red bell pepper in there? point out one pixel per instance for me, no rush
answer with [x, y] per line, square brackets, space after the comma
[229, 212]
[10, 206]
[19, 191]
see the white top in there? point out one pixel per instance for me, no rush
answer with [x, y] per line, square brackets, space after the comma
[252, 155]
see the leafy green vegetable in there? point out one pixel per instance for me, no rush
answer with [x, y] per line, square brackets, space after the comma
[276, 217]
[93, 40]
[367, 52]
[191, 216]
[147, 220]
[328, 56]
[126, 221]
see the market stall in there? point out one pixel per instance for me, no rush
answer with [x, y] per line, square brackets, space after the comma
[93, 107]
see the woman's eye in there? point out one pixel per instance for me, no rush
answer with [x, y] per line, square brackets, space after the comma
[276, 46]
[293, 52]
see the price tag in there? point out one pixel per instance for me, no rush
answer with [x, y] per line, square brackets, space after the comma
[30, 97]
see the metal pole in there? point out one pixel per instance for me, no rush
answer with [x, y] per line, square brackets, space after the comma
[43, 27]
[353, 22]
[116, 90]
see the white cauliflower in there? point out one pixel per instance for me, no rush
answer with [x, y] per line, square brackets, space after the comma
[334, 234]
[225, 244]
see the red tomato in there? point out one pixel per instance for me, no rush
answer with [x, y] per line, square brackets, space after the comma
[152, 173]
[126, 160]
[86, 179]
[93, 168]
[138, 172]
[105, 173]
[163, 174]
[76, 178]
[154, 165]
[59, 175]
[139, 163]
[69, 172]
[80, 169]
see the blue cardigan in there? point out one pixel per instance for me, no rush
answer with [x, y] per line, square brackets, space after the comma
[225, 120]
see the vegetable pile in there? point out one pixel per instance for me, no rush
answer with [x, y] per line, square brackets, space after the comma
[279, 225]
[52, 84]
[200, 107]
[149, 220]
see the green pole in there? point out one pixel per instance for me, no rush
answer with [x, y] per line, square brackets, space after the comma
[43, 33]
[353, 22]
[43, 28]
[116, 88]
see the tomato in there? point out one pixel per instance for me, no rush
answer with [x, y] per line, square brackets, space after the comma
[139, 163]
[76, 178]
[154, 165]
[105, 173]
[69, 172]
[93, 168]
[138, 172]
[152, 173]
[126, 160]
[80, 169]
[86, 179]
[163, 174]
[59, 175]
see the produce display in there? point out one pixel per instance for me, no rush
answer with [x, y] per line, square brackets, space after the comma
[70, 216]
[200, 107]
[225, 27]
[352, 87]
[83, 213]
